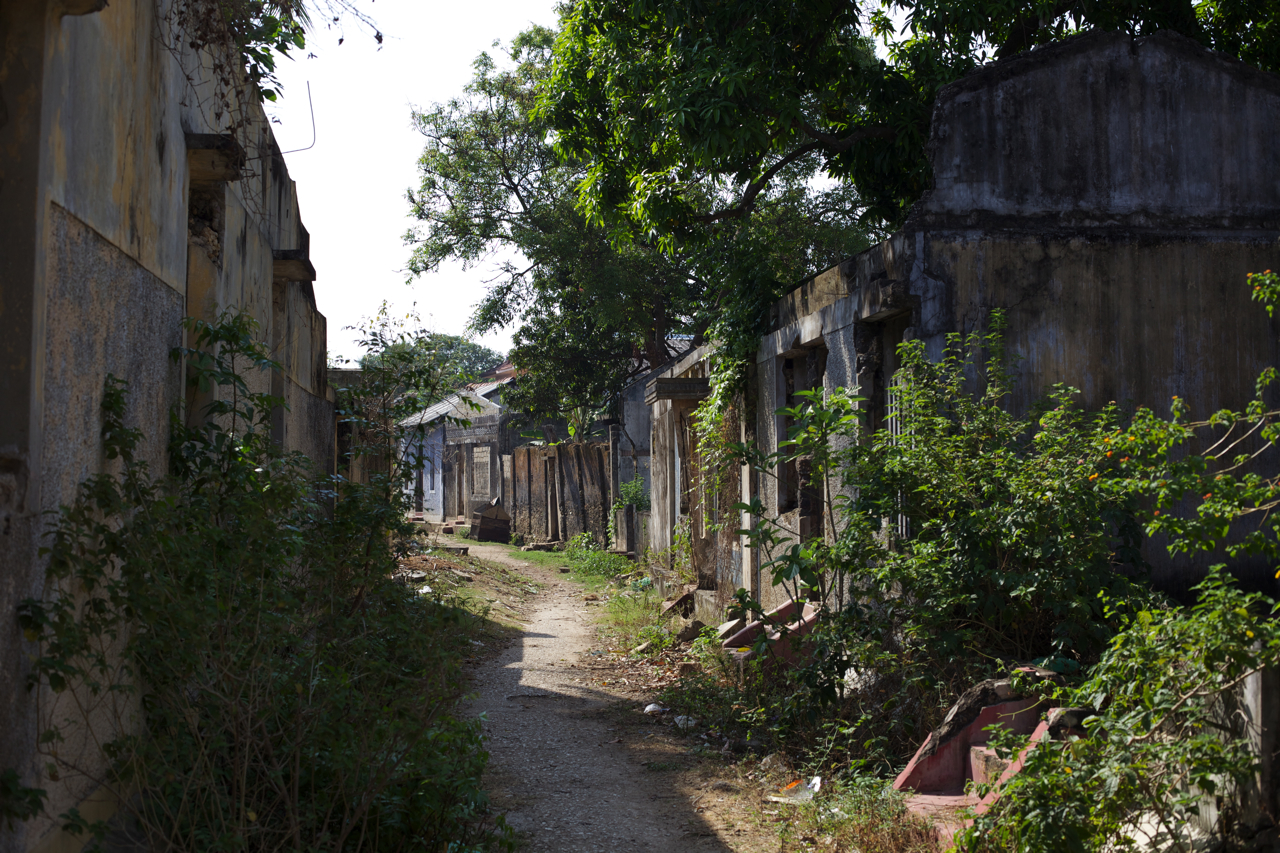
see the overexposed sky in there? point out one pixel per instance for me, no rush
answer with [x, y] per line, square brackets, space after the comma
[351, 184]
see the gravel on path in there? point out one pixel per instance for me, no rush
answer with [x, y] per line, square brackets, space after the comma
[559, 767]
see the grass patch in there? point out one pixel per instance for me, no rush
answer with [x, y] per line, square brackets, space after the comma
[631, 618]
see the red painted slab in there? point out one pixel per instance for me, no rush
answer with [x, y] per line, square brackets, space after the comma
[947, 769]
[781, 645]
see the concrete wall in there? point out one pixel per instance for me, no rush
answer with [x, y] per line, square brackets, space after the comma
[1106, 130]
[429, 446]
[1110, 194]
[634, 448]
[110, 179]
[560, 491]
[685, 501]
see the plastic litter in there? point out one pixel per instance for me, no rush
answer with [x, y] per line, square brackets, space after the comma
[655, 709]
[798, 792]
[685, 723]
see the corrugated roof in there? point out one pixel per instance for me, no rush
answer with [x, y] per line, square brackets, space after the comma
[450, 406]
[487, 388]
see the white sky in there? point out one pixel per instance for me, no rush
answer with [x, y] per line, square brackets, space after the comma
[351, 185]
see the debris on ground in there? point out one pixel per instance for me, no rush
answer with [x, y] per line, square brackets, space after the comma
[797, 792]
[653, 709]
[690, 632]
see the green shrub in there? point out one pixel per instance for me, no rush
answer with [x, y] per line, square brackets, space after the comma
[1168, 733]
[230, 640]
[588, 559]
[635, 493]
[964, 541]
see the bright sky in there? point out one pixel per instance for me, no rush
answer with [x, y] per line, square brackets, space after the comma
[351, 185]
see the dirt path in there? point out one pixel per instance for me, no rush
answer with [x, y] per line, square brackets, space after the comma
[564, 767]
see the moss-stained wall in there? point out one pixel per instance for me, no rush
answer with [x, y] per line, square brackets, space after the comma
[117, 223]
[1110, 195]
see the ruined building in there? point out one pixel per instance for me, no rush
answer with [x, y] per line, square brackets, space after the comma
[1109, 193]
[131, 197]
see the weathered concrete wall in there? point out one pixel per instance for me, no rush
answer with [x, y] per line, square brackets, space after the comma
[1110, 195]
[561, 491]
[690, 504]
[428, 446]
[117, 223]
[634, 449]
[1105, 130]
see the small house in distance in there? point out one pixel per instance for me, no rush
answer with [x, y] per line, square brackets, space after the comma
[424, 451]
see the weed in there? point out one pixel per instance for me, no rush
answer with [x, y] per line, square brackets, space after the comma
[865, 814]
[587, 559]
[628, 616]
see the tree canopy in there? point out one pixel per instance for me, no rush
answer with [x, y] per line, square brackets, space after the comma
[592, 310]
[661, 99]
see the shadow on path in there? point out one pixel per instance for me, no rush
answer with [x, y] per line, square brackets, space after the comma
[560, 769]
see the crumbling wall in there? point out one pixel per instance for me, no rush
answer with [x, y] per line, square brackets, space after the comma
[128, 202]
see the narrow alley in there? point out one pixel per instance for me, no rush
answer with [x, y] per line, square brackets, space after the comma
[568, 759]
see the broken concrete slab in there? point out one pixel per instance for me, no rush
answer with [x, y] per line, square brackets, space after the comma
[690, 632]
[728, 629]
[682, 606]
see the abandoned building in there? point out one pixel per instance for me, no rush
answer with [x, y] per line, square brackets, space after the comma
[128, 204]
[1109, 193]
[430, 489]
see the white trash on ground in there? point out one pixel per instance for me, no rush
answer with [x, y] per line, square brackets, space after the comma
[798, 792]
[654, 709]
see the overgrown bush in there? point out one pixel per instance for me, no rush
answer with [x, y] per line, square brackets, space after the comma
[963, 541]
[588, 559]
[967, 539]
[1170, 743]
[1169, 737]
[634, 493]
[224, 648]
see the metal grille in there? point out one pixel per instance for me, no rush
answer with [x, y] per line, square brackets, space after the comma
[893, 423]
